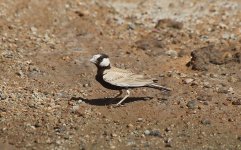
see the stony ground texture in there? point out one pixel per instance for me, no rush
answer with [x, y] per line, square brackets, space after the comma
[49, 98]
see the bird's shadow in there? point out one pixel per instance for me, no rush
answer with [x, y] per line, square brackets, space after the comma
[109, 101]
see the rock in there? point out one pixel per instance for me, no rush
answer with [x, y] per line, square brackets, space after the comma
[232, 79]
[3, 96]
[131, 26]
[33, 68]
[168, 129]
[223, 89]
[130, 125]
[205, 121]
[33, 29]
[192, 104]
[131, 143]
[75, 108]
[156, 133]
[79, 13]
[203, 57]
[205, 103]
[226, 36]
[32, 105]
[20, 73]
[149, 44]
[212, 75]
[239, 138]
[86, 85]
[230, 90]
[8, 54]
[142, 44]
[119, 20]
[188, 80]
[206, 84]
[77, 49]
[204, 97]
[168, 23]
[237, 102]
[112, 147]
[38, 124]
[172, 53]
[168, 142]
[58, 142]
[147, 132]
[114, 135]
[140, 120]
[182, 75]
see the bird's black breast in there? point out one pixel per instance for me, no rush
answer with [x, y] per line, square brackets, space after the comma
[99, 78]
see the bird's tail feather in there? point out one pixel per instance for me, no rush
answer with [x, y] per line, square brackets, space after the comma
[156, 86]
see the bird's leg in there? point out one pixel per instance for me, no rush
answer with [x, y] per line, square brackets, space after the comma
[128, 94]
[119, 94]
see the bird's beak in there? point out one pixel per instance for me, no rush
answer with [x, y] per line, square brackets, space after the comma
[92, 60]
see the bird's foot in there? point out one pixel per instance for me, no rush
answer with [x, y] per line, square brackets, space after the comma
[115, 106]
[118, 105]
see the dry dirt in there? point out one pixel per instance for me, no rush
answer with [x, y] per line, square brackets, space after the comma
[49, 98]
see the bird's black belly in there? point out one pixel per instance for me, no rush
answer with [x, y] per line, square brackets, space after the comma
[107, 85]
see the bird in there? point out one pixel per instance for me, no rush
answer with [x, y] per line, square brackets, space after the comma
[119, 79]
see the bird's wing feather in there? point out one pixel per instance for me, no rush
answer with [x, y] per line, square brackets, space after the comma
[121, 77]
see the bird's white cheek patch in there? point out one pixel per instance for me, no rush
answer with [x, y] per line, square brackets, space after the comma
[105, 62]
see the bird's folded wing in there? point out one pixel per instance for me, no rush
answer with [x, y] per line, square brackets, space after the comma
[125, 78]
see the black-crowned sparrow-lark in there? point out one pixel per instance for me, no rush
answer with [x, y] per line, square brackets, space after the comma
[117, 79]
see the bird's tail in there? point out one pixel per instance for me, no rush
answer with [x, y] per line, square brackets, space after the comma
[156, 86]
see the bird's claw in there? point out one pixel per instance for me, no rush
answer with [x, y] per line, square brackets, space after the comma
[118, 105]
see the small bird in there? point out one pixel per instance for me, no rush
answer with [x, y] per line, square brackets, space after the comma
[118, 79]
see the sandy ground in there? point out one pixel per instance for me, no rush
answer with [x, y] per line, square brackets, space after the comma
[49, 98]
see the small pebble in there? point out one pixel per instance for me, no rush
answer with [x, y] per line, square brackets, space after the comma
[131, 26]
[112, 147]
[232, 79]
[168, 129]
[147, 132]
[205, 121]
[86, 85]
[192, 104]
[20, 73]
[58, 142]
[206, 85]
[140, 120]
[3, 96]
[75, 108]
[172, 53]
[153, 133]
[114, 135]
[213, 75]
[237, 102]
[130, 125]
[168, 142]
[205, 103]
[188, 80]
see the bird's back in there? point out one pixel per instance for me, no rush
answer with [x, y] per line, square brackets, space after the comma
[125, 78]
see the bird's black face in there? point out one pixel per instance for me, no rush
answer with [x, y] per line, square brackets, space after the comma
[101, 60]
